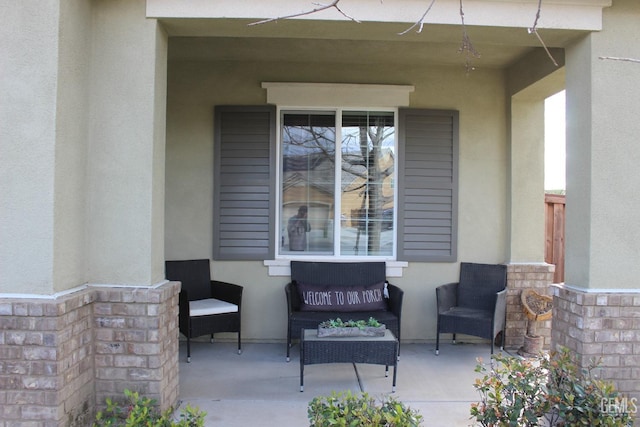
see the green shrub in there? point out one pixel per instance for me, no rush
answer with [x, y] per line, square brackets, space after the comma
[547, 390]
[347, 409]
[139, 411]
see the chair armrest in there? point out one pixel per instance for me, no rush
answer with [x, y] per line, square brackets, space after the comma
[500, 309]
[293, 300]
[183, 304]
[228, 292]
[396, 296]
[446, 296]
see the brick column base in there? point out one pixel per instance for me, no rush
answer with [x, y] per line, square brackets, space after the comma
[602, 326]
[136, 343]
[519, 277]
[60, 358]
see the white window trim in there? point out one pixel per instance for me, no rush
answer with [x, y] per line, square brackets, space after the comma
[333, 257]
[282, 267]
[334, 96]
[337, 94]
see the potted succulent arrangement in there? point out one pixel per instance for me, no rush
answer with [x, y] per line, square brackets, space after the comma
[351, 328]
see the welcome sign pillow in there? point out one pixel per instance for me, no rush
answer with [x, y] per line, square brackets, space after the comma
[342, 298]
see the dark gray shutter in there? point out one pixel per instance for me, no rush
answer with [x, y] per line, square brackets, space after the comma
[428, 185]
[244, 183]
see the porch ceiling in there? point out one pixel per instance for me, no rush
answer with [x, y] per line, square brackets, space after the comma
[350, 42]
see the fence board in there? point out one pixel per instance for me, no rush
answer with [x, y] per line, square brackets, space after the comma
[554, 234]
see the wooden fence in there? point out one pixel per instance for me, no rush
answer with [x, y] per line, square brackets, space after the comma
[554, 234]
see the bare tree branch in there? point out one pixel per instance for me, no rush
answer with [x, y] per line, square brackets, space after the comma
[615, 58]
[321, 7]
[535, 22]
[466, 46]
[534, 30]
[420, 22]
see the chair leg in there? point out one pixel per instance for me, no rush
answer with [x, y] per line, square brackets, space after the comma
[239, 344]
[454, 339]
[288, 342]
[499, 336]
[188, 349]
[438, 343]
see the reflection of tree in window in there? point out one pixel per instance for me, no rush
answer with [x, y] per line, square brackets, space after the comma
[368, 138]
[308, 144]
[367, 167]
[305, 133]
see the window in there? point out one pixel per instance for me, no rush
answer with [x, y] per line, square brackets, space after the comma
[337, 183]
[378, 183]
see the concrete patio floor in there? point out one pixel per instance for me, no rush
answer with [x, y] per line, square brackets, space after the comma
[259, 388]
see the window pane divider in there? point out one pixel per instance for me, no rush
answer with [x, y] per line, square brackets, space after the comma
[337, 193]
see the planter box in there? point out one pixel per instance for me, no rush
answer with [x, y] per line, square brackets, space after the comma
[367, 331]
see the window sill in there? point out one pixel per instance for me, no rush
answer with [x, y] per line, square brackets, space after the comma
[281, 267]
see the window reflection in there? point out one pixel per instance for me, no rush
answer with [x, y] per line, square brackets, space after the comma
[365, 176]
[368, 159]
[308, 181]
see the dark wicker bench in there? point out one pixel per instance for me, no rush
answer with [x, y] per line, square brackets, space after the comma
[342, 275]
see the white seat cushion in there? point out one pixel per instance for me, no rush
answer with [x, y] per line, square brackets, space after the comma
[205, 307]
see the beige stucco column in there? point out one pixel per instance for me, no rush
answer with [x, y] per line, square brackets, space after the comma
[82, 141]
[43, 81]
[125, 169]
[136, 334]
[530, 82]
[82, 138]
[597, 309]
[526, 268]
[527, 180]
[603, 230]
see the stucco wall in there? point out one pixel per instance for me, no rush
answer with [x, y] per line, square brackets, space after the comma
[124, 187]
[82, 140]
[27, 110]
[602, 236]
[195, 87]
[71, 148]
[44, 115]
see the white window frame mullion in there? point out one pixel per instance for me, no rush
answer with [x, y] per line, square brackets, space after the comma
[278, 208]
[337, 196]
[396, 172]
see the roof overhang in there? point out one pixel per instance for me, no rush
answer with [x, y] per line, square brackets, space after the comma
[499, 30]
[558, 14]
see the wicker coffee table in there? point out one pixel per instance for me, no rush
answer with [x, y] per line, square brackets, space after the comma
[373, 350]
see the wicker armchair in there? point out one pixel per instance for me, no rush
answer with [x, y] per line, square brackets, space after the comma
[476, 305]
[206, 306]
